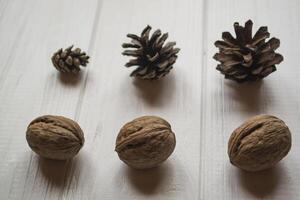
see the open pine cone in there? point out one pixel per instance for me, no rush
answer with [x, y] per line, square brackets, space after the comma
[153, 58]
[247, 58]
[69, 60]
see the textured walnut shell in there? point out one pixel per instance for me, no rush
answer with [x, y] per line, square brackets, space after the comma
[54, 137]
[145, 142]
[259, 143]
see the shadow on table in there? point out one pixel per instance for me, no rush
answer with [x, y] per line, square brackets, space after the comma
[261, 184]
[58, 173]
[156, 92]
[150, 181]
[70, 79]
[249, 95]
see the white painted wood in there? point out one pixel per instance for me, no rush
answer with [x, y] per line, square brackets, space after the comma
[29, 86]
[202, 108]
[227, 104]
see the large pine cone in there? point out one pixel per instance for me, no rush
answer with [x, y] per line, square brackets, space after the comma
[247, 58]
[69, 60]
[153, 58]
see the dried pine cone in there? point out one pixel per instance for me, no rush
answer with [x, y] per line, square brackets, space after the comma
[153, 58]
[247, 58]
[69, 60]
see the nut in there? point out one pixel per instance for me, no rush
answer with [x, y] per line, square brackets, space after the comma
[259, 143]
[54, 137]
[145, 142]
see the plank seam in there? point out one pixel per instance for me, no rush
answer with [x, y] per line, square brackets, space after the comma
[90, 50]
[203, 91]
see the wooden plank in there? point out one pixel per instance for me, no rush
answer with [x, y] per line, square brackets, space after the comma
[112, 98]
[201, 106]
[228, 104]
[29, 86]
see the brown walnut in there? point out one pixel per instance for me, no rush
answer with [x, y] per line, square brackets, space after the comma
[259, 143]
[145, 142]
[55, 137]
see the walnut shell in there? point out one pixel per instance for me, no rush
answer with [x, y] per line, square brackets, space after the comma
[259, 143]
[145, 142]
[54, 137]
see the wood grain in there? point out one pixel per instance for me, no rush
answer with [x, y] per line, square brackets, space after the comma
[201, 106]
[227, 104]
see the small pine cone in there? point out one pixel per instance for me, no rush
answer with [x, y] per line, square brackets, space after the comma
[69, 60]
[153, 58]
[247, 58]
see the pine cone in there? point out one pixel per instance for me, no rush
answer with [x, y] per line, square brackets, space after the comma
[153, 58]
[69, 60]
[247, 58]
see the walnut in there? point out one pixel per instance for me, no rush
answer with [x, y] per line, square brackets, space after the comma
[145, 142]
[54, 137]
[259, 143]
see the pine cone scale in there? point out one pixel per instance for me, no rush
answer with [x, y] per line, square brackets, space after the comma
[274, 43]
[130, 45]
[222, 57]
[140, 71]
[260, 35]
[263, 58]
[133, 62]
[276, 60]
[247, 58]
[146, 30]
[239, 31]
[257, 71]
[226, 46]
[154, 36]
[133, 37]
[248, 31]
[163, 65]
[153, 58]
[134, 53]
[268, 71]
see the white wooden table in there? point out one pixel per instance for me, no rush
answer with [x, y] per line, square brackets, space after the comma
[202, 107]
